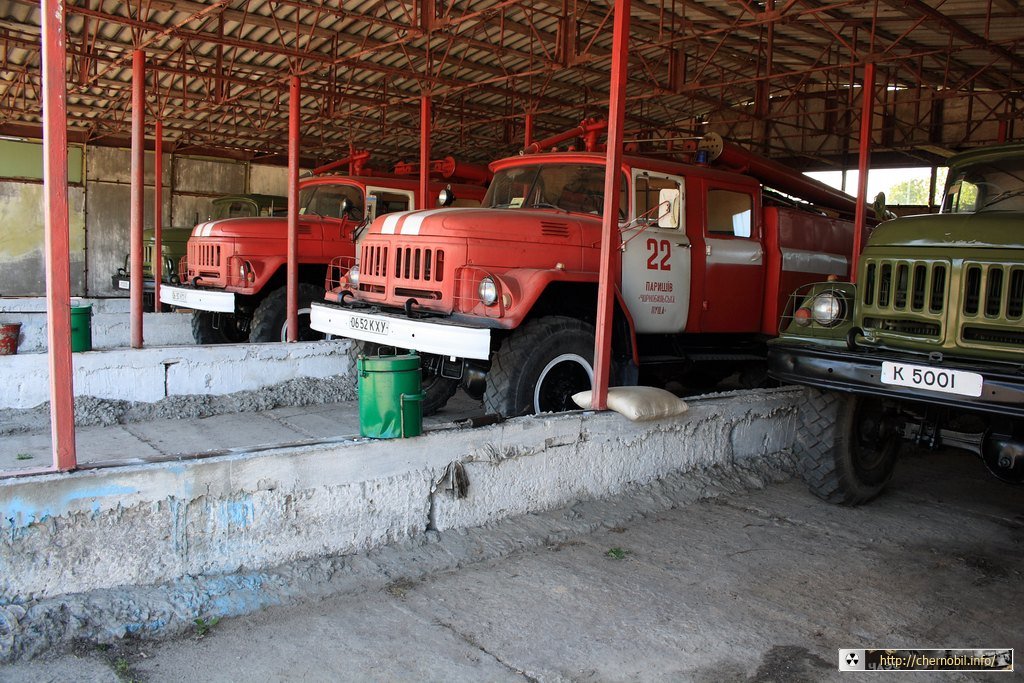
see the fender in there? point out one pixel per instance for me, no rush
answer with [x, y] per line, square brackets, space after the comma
[526, 285]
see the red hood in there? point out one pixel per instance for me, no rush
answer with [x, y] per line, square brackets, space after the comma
[265, 227]
[507, 224]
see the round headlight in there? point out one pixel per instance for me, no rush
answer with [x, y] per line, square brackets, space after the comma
[445, 197]
[828, 309]
[353, 276]
[488, 291]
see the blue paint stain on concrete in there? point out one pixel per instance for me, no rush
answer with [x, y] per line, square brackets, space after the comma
[237, 513]
[20, 513]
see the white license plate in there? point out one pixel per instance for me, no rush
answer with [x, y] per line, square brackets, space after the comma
[122, 284]
[178, 295]
[932, 379]
[359, 322]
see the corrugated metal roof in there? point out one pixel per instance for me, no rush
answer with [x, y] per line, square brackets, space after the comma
[777, 75]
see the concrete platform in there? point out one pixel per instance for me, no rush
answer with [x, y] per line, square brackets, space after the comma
[111, 325]
[146, 547]
[718, 582]
[155, 440]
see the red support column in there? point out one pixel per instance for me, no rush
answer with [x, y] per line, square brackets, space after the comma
[866, 116]
[138, 193]
[57, 236]
[294, 114]
[528, 131]
[158, 212]
[426, 201]
[610, 223]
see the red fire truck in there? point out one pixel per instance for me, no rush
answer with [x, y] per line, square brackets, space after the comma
[501, 299]
[234, 273]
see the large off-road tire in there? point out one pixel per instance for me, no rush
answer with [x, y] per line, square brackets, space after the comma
[846, 445]
[540, 366]
[218, 328]
[436, 389]
[269, 320]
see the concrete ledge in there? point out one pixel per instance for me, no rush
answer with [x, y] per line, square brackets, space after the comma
[144, 525]
[111, 326]
[151, 374]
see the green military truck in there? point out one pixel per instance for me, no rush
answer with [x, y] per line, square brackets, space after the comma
[927, 346]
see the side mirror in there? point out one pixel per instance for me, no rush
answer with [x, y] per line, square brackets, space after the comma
[446, 197]
[882, 213]
[669, 208]
[345, 207]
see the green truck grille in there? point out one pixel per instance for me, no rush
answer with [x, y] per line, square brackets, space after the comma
[905, 297]
[992, 304]
[973, 305]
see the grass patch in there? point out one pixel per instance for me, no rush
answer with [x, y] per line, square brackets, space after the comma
[203, 626]
[617, 553]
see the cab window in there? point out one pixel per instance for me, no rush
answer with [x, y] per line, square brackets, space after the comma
[658, 200]
[389, 202]
[730, 213]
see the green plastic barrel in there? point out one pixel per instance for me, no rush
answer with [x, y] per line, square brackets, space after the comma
[390, 400]
[81, 327]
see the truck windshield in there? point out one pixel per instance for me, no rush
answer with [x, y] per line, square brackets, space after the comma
[325, 200]
[995, 186]
[578, 188]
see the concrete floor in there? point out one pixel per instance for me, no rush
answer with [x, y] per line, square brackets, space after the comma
[751, 586]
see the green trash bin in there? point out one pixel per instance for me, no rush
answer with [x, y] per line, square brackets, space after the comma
[390, 400]
[81, 327]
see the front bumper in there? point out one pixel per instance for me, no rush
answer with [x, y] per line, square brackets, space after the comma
[859, 372]
[197, 299]
[427, 335]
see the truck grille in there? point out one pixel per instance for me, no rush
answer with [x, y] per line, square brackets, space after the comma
[418, 264]
[990, 290]
[411, 272]
[905, 297]
[204, 255]
[993, 304]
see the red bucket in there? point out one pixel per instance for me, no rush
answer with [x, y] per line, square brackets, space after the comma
[9, 333]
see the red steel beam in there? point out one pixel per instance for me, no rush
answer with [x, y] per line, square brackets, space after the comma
[610, 223]
[57, 235]
[158, 212]
[294, 115]
[425, 199]
[864, 163]
[138, 194]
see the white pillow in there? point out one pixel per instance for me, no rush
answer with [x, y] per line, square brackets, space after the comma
[638, 403]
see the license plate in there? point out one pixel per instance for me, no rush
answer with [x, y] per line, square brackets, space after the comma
[122, 284]
[932, 379]
[358, 322]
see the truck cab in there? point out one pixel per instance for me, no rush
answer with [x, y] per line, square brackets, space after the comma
[501, 299]
[926, 346]
[174, 239]
[234, 273]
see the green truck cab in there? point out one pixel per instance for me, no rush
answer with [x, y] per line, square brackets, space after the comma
[175, 239]
[927, 346]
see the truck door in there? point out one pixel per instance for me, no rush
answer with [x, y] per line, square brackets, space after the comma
[734, 261]
[656, 254]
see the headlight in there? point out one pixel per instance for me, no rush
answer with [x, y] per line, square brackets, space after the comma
[169, 266]
[488, 291]
[246, 273]
[828, 309]
[353, 276]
